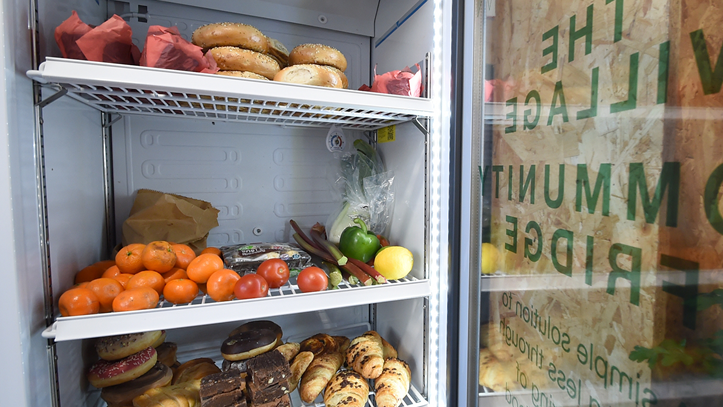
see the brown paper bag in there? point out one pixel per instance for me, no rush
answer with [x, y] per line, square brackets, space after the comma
[173, 218]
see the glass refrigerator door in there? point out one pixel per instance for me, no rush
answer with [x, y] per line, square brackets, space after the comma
[596, 203]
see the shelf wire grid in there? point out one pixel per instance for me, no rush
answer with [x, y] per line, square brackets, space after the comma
[287, 289]
[127, 100]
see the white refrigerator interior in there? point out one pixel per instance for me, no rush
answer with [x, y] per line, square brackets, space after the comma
[81, 138]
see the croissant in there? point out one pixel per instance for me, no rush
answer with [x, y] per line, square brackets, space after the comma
[299, 365]
[348, 389]
[365, 355]
[393, 384]
[321, 370]
[289, 350]
[388, 350]
[184, 394]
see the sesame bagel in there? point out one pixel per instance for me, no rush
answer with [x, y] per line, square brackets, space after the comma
[232, 35]
[243, 74]
[317, 54]
[238, 59]
[310, 74]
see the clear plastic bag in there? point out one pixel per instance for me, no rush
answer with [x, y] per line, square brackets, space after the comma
[365, 190]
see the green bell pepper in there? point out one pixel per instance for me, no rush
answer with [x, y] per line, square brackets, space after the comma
[359, 243]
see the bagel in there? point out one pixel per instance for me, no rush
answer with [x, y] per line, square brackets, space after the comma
[239, 59]
[317, 54]
[310, 74]
[119, 346]
[230, 34]
[243, 74]
[278, 51]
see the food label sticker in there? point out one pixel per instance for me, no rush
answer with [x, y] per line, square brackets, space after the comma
[335, 139]
[386, 134]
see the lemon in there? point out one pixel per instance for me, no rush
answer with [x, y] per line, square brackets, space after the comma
[489, 258]
[393, 262]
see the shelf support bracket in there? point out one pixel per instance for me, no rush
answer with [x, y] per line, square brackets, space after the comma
[111, 122]
[52, 98]
[423, 127]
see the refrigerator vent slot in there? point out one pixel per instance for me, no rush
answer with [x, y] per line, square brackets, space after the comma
[126, 89]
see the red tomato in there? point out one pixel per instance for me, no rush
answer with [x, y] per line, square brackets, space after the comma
[312, 279]
[251, 286]
[274, 271]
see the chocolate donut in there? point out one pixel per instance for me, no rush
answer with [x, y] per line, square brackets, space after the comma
[248, 344]
[119, 346]
[106, 373]
[256, 325]
[122, 394]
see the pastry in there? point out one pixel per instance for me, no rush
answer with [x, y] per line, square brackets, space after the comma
[346, 389]
[122, 394]
[393, 384]
[365, 355]
[119, 346]
[248, 344]
[106, 373]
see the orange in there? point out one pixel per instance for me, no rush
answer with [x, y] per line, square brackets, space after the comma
[180, 291]
[174, 274]
[203, 266]
[93, 271]
[221, 283]
[106, 289]
[78, 301]
[123, 278]
[158, 256]
[105, 264]
[147, 278]
[212, 250]
[135, 299]
[111, 272]
[203, 289]
[184, 255]
[129, 260]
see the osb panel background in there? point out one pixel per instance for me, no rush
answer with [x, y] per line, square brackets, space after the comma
[684, 129]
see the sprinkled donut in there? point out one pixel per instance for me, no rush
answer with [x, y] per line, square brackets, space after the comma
[106, 373]
[119, 346]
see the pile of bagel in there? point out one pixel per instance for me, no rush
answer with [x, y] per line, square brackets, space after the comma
[244, 51]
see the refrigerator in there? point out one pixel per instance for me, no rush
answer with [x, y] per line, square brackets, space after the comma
[590, 203]
[82, 138]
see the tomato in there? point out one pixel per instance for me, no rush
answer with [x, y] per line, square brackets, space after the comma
[274, 271]
[312, 279]
[251, 286]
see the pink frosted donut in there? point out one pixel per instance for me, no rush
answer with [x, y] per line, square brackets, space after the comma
[106, 373]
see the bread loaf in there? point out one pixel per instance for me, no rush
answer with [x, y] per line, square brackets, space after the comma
[365, 355]
[309, 74]
[348, 389]
[393, 384]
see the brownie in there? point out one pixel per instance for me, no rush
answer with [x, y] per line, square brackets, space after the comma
[283, 401]
[268, 377]
[223, 389]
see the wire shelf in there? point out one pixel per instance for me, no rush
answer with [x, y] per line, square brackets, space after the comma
[126, 89]
[288, 299]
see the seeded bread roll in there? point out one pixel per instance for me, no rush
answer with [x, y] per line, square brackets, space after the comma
[310, 75]
[238, 59]
[243, 74]
[317, 54]
[232, 35]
